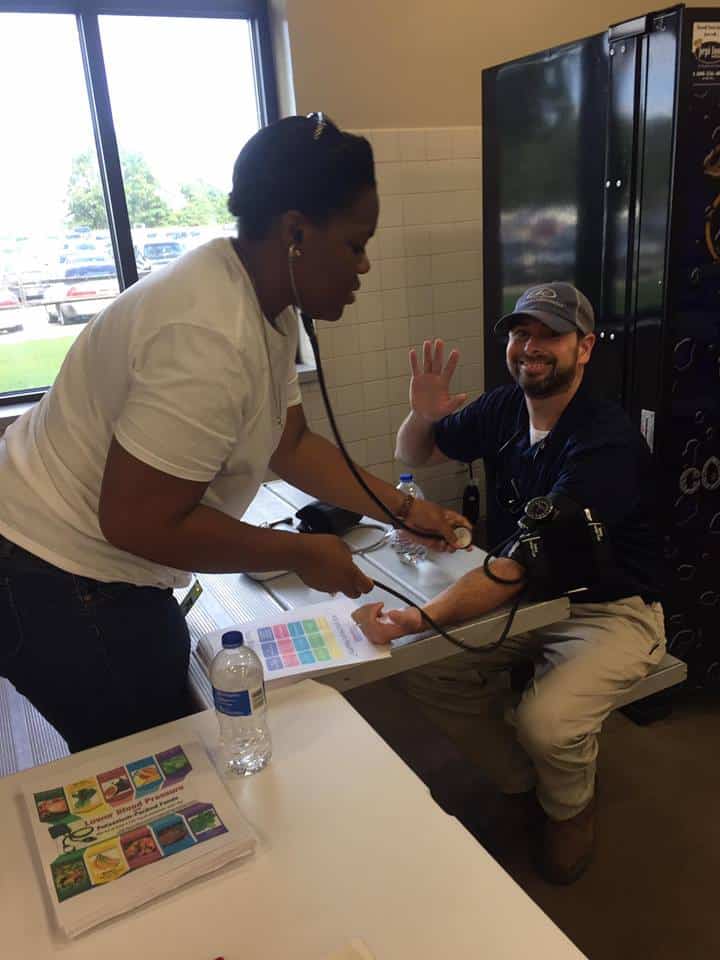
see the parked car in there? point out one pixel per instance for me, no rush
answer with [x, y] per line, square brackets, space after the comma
[10, 312]
[75, 250]
[144, 267]
[160, 252]
[87, 287]
[29, 282]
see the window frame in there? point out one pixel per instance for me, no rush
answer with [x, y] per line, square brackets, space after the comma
[87, 13]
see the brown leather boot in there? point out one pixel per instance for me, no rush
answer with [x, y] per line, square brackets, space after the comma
[515, 820]
[567, 846]
[522, 811]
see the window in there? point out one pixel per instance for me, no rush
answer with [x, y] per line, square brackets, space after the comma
[120, 129]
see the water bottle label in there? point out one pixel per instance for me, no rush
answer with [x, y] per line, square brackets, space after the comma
[239, 703]
[257, 697]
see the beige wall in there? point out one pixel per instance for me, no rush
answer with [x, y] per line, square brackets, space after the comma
[417, 63]
[424, 282]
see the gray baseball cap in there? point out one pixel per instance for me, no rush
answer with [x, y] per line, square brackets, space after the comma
[558, 305]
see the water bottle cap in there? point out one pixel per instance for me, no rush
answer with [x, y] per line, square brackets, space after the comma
[406, 478]
[233, 638]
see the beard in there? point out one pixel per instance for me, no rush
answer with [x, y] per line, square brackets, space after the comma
[555, 380]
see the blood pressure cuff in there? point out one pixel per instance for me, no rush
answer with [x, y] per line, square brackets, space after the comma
[563, 552]
[321, 517]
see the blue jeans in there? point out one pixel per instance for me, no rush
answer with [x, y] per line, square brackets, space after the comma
[98, 660]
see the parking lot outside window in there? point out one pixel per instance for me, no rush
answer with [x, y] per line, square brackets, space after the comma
[185, 93]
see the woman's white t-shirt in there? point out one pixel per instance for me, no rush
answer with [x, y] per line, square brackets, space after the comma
[188, 375]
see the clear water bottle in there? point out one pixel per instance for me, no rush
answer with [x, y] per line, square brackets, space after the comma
[236, 675]
[407, 550]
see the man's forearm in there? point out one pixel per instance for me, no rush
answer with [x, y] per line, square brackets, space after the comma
[318, 467]
[415, 440]
[475, 594]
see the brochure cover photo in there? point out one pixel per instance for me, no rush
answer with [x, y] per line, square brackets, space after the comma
[114, 834]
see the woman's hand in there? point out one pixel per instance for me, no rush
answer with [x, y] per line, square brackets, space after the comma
[427, 516]
[325, 563]
[430, 395]
[382, 628]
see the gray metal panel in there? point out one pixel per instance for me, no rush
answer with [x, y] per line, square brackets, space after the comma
[290, 591]
[46, 743]
[269, 506]
[427, 578]
[291, 495]
[199, 683]
[239, 597]
[669, 672]
[199, 622]
[8, 759]
[26, 738]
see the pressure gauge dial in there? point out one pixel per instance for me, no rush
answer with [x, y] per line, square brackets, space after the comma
[539, 509]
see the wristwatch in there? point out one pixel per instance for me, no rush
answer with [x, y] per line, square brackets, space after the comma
[403, 511]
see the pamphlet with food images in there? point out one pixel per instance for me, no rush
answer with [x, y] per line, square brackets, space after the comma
[112, 835]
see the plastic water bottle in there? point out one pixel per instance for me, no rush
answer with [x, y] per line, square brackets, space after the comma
[407, 550]
[236, 675]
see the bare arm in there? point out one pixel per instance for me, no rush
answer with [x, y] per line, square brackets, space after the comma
[160, 517]
[312, 463]
[430, 401]
[473, 595]
[415, 442]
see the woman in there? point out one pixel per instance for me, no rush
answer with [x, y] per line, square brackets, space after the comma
[170, 406]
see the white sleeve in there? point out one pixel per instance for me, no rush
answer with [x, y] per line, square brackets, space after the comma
[294, 396]
[293, 392]
[187, 390]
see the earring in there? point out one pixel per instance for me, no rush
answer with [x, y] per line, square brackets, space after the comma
[294, 251]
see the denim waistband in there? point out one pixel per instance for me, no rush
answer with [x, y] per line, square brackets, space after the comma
[21, 560]
[16, 559]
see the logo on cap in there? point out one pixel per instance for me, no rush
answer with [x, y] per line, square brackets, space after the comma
[542, 293]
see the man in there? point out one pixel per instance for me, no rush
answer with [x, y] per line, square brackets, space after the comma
[546, 436]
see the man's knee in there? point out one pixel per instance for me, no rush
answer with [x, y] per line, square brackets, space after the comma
[542, 729]
[455, 684]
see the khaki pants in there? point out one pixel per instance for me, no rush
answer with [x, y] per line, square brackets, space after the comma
[581, 668]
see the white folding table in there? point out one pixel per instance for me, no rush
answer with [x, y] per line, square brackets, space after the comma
[230, 599]
[350, 845]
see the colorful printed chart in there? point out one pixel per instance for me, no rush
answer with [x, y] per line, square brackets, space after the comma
[304, 640]
[299, 641]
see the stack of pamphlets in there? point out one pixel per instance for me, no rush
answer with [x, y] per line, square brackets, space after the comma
[117, 831]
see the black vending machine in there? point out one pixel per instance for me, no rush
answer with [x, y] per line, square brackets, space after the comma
[601, 166]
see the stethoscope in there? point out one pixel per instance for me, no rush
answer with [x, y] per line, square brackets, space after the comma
[309, 327]
[515, 503]
[69, 839]
[512, 504]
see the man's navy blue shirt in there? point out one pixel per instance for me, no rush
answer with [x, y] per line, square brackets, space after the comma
[593, 454]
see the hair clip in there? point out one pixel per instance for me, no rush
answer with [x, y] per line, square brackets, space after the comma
[320, 123]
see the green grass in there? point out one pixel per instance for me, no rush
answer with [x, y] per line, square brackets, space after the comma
[31, 363]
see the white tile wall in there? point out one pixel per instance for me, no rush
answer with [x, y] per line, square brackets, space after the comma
[425, 282]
